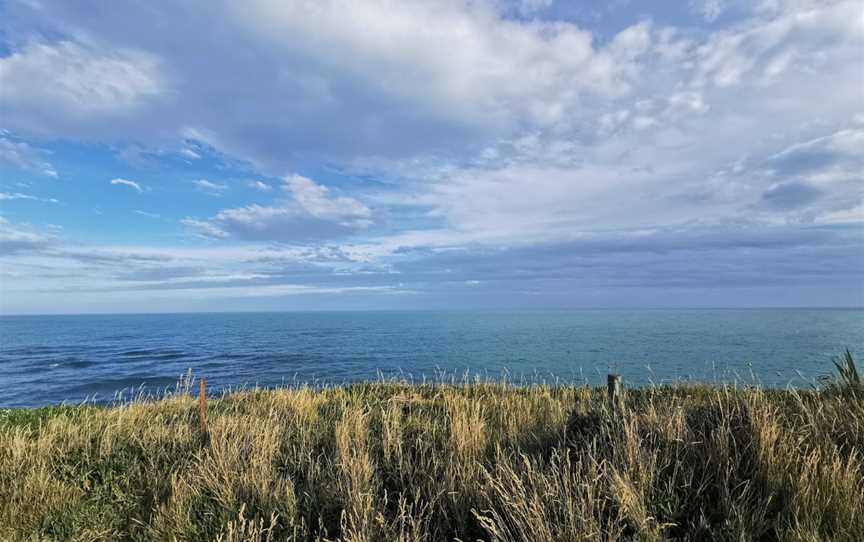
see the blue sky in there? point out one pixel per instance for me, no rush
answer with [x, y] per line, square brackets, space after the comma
[269, 155]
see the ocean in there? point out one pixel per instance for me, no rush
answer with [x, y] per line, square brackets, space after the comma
[52, 359]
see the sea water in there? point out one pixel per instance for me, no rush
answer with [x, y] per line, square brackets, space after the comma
[52, 359]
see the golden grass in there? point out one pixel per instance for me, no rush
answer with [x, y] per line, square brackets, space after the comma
[473, 461]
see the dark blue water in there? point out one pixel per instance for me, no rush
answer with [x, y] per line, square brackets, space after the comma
[49, 359]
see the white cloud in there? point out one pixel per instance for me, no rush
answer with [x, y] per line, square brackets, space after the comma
[315, 199]
[48, 85]
[21, 155]
[189, 153]
[21, 237]
[204, 228]
[131, 184]
[311, 213]
[710, 10]
[854, 215]
[500, 67]
[820, 36]
[843, 149]
[400, 96]
[261, 186]
[18, 195]
[254, 216]
[668, 156]
[396, 90]
[148, 215]
[528, 7]
[209, 187]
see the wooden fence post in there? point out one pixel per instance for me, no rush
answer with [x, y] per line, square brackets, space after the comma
[615, 389]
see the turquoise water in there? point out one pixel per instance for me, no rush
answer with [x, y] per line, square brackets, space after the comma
[50, 359]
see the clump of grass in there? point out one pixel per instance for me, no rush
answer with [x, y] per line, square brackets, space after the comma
[473, 461]
[847, 381]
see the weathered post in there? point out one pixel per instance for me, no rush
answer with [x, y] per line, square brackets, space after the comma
[202, 406]
[615, 389]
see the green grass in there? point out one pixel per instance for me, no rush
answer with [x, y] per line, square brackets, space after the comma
[473, 461]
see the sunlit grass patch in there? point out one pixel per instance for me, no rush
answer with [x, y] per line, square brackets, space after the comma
[470, 461]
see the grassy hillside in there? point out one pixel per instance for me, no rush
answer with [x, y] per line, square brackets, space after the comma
[483, 461]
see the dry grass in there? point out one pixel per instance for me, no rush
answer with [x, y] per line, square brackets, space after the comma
[477, 461]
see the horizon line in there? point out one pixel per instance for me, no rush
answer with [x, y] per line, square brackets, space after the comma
[442, 310]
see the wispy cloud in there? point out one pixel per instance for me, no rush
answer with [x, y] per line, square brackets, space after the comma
[205, 228]
[317, 201]
[148, 215]
[209, 187]
[131, 184]
[312, 212]
[261, 186]
[189, 153]
[22, 238]
[23, 156]
[17, 195]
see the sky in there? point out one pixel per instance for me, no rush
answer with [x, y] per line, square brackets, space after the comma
[162, 156]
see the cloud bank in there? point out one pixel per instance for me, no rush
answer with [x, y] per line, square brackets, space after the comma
[429, 146]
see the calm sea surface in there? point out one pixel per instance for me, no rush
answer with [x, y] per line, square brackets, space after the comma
[50, 359]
